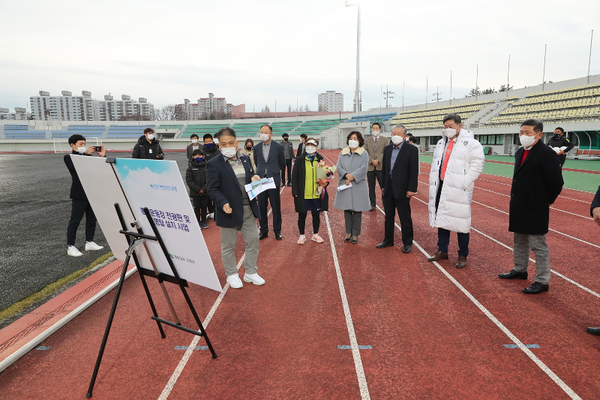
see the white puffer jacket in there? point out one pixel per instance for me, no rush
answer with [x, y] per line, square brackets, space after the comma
[464, 166]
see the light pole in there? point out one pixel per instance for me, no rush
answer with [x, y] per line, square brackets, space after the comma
[357, 99]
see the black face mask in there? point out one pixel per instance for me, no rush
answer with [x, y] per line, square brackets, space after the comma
[248, 148]
[285, 139]
[556, 137]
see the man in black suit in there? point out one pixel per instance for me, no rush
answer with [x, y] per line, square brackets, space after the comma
[595, 212]
[399, 184]
[226, 175]
[303, 138]
[537, 182]
[269, 160]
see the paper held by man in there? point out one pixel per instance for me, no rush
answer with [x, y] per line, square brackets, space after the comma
[257, 187]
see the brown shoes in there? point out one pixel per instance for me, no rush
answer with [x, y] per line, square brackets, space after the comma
[438, 256]
[461, 262]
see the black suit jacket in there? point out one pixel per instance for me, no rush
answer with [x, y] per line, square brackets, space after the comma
[300, 149]
[275, 164]
[405, 171]
[223, 188]
[536, 184]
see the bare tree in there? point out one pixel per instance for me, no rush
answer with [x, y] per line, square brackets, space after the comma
[266, 109]
[166, 113]
[307, 108]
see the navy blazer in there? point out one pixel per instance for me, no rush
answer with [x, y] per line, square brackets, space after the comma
[536, 184]
[275, 164]
[405, 172]
[595, 202]
[223, 188]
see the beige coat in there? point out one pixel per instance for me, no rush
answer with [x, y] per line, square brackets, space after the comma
[376, 153]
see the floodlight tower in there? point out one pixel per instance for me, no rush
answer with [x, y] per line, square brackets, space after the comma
[357, 96]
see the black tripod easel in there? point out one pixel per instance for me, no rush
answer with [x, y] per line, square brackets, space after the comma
[134, 239]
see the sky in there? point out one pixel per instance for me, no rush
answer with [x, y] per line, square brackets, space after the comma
[282, 53]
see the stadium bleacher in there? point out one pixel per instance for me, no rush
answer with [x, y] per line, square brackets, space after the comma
[21, 131]
[315, 127]
[126, 131]
[85, 130]
[431, 118]
[362, 118]
[199, 129]
[575, 104]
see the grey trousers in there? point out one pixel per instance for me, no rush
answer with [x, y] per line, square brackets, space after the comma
[249, 233]
[353, 221]
[522, 244]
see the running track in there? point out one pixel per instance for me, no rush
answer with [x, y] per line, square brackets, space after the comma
[343, 321]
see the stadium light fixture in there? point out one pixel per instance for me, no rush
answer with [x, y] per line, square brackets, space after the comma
[357, 97]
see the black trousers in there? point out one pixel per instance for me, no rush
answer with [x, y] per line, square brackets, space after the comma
[78, 209]
[266, 197]
[201, 207]
[371, 176]
[288, 166]
[391, 205]
[316, 221]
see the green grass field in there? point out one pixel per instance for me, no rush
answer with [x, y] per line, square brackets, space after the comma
[587, 182]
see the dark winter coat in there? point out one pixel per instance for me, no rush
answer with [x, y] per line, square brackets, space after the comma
[147, 150]
[210, 153]
[195, 177]
[77, 192]
[562, 141]
[299, 183]
[536, 184]
[224, 187]
[595, 202]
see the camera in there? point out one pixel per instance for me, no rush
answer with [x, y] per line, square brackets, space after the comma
[97, 148]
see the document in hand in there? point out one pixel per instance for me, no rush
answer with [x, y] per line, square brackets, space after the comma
[344, 187]
[257, 187]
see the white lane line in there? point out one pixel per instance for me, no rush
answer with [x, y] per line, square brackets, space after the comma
[360, 372]
[188, 353]
[570, 392]
[511, 249]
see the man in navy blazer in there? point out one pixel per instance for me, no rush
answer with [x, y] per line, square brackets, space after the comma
[537, 182]
[595, 213]
[399, 184]
[226, 176]
[269, 160]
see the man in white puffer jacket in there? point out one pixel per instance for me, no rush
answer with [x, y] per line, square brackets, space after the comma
[457, 162]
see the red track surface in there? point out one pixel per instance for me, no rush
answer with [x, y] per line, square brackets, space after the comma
[280, 340]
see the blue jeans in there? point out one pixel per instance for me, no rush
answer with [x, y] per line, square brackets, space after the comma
[444, 241]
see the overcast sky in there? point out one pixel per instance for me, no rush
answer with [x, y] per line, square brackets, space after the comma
[287, 51]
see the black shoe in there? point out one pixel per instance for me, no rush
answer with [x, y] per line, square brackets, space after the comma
[407, 248]
[278, 236]
[593, 331]
[514, 275]
[384, 244]
[536, 288]
[263, 235]
[347, 238]
[290, 184]
[354, 239]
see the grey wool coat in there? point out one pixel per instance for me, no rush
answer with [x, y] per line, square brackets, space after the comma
[357, 197]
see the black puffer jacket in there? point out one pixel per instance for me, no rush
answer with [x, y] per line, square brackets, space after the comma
[195, 177]
[211, 152]
[147, 150]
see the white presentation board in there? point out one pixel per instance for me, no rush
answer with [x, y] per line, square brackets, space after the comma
[157, 185]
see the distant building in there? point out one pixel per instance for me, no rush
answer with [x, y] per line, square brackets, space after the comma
[84, 108]
[205, 107]
[330, 101]
[19, 114]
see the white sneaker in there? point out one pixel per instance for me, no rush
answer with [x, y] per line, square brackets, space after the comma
[302, 239]
[92, 246]
[317, 238]
[73, 252]
[234, 281]
[254, 278]
[210, 215]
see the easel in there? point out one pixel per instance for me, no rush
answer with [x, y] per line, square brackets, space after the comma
[134, 239]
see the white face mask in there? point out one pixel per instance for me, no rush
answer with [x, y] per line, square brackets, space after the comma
[353, 143]
[397, 139]
[82, 150]
[229, 152]
[216, 141]
[150, 136]
[375, 133]
[194, 141]
[407, 138]
[449, 132]
[311, 149]
[264, 137]
[527, 141]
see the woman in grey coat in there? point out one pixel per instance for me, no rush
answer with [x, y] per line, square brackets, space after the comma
[352, 168]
